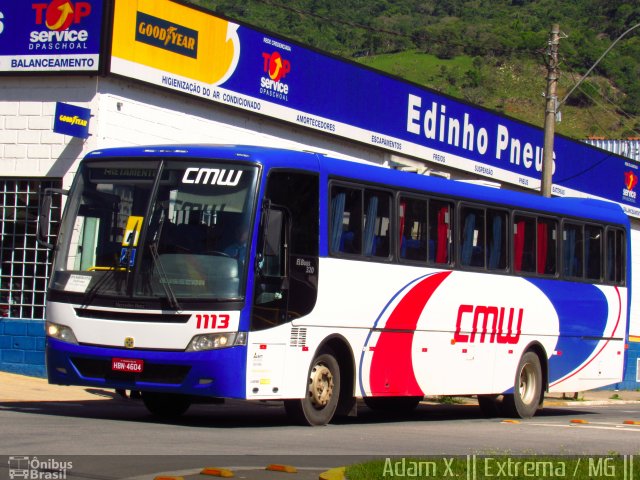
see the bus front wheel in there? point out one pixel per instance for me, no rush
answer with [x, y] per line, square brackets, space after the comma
[166, 405]
[322, 393]
[525, 399]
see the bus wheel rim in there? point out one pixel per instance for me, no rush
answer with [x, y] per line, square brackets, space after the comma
[320, 385]
[527, 384]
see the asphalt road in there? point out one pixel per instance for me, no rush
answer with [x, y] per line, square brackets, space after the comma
[123, 427]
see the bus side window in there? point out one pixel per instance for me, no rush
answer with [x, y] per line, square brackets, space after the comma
[472, 244]
[376, 233]
[593, 252]
[572, 248]
[413, 229]
[615, 256]
[547, 246]
[440, 231]
[524, 244]
[496, 240]
[346, 220]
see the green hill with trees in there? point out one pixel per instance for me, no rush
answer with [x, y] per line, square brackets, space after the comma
[488, 52]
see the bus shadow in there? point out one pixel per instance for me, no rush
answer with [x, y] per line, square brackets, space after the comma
[244, 414]
[439, 413]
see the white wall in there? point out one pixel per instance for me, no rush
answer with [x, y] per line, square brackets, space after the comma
[134, 114]
[28, 145]
[125, 112]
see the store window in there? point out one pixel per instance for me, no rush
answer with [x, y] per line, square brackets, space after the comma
[25, 265]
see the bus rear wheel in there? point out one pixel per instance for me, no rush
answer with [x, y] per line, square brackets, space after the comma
[322, 394]
[166, 405]
[527, 391]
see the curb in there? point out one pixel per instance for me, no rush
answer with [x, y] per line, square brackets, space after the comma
[588, 403]
[333, 474]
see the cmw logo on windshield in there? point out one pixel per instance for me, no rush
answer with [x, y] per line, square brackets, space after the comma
[212, 176]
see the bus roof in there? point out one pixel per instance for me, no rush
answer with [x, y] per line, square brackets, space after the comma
[571, 206]
[376, 174]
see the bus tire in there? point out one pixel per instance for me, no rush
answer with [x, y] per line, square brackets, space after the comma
[166, 405]
[525, 399]
[322, 394]
[393, 404]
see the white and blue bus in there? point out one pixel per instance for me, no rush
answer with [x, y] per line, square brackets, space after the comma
[194, 272]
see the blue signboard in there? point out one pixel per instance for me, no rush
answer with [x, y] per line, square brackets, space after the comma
[71, 120]
[248, 69]
[50, 35]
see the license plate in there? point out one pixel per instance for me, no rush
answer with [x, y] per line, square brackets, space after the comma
[127, 365]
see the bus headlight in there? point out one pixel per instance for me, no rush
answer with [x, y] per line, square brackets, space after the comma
[60, 332]
[211, 341]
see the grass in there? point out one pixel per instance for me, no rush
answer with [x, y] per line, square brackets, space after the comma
[448, 400]
[419, 67]
[576, 397]
[511, 87]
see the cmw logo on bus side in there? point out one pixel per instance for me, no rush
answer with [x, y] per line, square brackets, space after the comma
[211, 176]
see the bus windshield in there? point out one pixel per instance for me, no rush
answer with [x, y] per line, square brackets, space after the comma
[157, 229]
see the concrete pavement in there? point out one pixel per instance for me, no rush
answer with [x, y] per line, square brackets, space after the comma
[21, 388]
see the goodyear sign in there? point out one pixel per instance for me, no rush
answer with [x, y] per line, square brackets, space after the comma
[184, 49]
[172, 37]
[50, 36]
[72, 120]
[172, 45]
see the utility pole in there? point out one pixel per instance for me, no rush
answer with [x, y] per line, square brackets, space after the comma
[551, 110]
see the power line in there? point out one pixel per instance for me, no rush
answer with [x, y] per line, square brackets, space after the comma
[616, 114]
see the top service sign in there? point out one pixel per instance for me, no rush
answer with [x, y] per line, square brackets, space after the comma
[50, 36]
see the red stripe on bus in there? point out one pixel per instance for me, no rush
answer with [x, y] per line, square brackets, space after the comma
[392, 364]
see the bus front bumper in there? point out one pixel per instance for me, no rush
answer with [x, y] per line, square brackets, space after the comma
[212, 373]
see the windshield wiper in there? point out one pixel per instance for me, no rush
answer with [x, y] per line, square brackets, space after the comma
[164, 280]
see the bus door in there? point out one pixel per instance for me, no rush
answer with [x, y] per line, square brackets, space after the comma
[286, 269]
[286, 276]
[267, 351]
[272, 276]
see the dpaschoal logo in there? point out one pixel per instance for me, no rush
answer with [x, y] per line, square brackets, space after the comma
[276, 68]
[38, 469]
[57, 19]
[630, 182]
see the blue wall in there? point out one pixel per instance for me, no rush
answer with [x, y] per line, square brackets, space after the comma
[629, 381]
[22, 347]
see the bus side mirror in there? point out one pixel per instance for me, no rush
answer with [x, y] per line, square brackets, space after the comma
[43, 231]
[271, 258]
